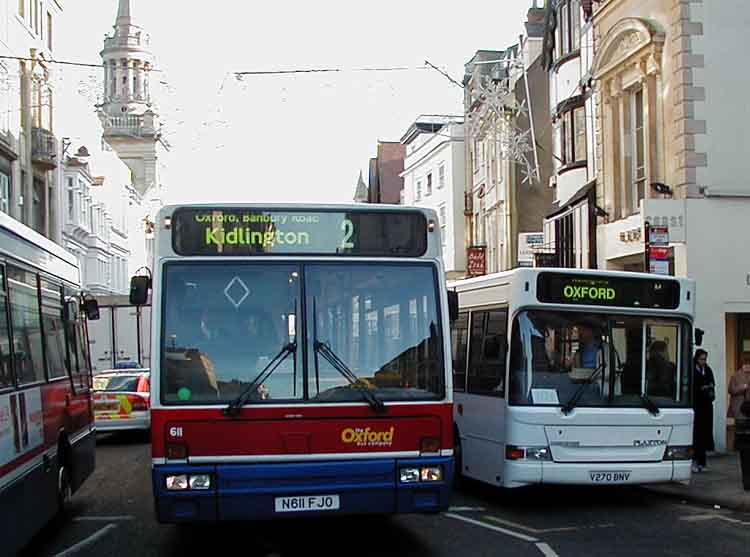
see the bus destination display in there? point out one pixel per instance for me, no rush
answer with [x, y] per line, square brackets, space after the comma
[254, 231]
[558, 288]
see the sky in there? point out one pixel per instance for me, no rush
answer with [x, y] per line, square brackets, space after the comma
[288, 138]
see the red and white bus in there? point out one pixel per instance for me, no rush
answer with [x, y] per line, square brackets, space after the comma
[301, 362]
[47, 441]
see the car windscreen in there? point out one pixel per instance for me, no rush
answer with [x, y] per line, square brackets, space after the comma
[116, 383]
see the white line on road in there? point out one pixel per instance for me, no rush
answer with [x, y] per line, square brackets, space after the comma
[467, 509]
[88, 541]
[529, 528]
[511, 533]
[546, 550]
[713, 516]
[103, 518]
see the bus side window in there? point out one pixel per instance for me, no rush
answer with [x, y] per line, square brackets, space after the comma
[6, 367]
[487, 361]
[27, 327]
[459, 340]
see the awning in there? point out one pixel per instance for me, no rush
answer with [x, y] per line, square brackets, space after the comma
[580, 196]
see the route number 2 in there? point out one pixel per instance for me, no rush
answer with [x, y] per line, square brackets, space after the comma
[347, 227]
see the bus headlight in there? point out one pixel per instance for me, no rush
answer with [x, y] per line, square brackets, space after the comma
[200, 481]
[432, 473]
[512, 452]
[679, 453]
[409, 475]
[177, 483]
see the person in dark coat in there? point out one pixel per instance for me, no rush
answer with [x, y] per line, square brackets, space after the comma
[704, 393]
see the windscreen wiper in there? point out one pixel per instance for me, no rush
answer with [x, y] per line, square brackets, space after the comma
[236, 405]
[649, 405]
[338, 364]
[568, 406]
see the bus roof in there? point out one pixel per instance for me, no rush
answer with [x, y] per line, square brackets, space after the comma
[24, 244]
[369, 207]
[528, 272]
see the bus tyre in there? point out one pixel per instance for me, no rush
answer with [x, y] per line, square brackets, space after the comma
[64, 491]
[458, 460]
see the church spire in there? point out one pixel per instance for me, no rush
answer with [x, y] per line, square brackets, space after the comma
[360, 193]
[124, 13]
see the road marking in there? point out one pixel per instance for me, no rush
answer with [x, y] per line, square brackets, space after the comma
[529, 528]
[546, 550]
[103, 518]
[466, 509]
[713, 516]
[517, 535]
[88, 541]
[547, 530]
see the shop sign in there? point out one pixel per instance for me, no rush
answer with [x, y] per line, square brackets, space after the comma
[476, 261]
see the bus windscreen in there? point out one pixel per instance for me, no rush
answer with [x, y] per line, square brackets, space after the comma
[256, 231]
[609, 291]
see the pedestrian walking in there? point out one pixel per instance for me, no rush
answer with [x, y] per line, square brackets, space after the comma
[739, 409]
[704, 394]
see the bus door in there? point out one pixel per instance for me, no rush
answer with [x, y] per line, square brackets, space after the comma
[482, 422]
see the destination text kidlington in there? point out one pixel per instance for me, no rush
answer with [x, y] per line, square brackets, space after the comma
[239, 236]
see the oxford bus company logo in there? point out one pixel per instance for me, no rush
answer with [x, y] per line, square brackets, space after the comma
[366, 437]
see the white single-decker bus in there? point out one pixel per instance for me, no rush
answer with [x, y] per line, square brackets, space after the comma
[568, 376]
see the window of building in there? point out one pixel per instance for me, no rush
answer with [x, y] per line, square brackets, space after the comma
[568, 36]
[565, 240]
[22, 8]
[639, 156]
[441, 175]
[573, 136]
[49, 31]
[418, 193]
[27, 329]
[429, 183]
[443, 218]
[487, 353]
[5, 192]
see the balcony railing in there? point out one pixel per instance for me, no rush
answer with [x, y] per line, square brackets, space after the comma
[43, 148]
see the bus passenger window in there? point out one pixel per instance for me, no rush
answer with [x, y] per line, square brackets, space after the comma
[487, 360]
[459, 339]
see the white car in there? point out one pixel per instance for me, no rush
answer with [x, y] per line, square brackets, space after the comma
[121, 400]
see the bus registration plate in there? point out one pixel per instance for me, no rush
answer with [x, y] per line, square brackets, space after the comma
[307, 503]
[610, 477]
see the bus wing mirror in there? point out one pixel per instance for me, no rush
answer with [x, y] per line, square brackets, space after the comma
[139, 287]
[453, 305]
[91, 309]
[699, 336]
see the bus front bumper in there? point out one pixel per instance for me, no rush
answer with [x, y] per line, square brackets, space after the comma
[520, 473]
[282, 490]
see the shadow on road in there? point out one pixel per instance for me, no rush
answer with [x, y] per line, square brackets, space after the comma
[563, 498]
[335, 536]
[123, 438]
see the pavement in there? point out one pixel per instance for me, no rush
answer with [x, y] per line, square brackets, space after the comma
[719, 484]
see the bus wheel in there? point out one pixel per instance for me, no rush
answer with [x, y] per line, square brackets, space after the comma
[458, 460]
[64, 490]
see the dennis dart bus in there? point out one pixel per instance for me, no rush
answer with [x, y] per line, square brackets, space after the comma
[299, 363]
[578, 377]
[47, 440]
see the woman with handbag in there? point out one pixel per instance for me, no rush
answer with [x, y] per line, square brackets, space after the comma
[704, 394]
[739, 409]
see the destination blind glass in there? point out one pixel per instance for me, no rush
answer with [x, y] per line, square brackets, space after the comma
[557, 288]
[253, 231]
